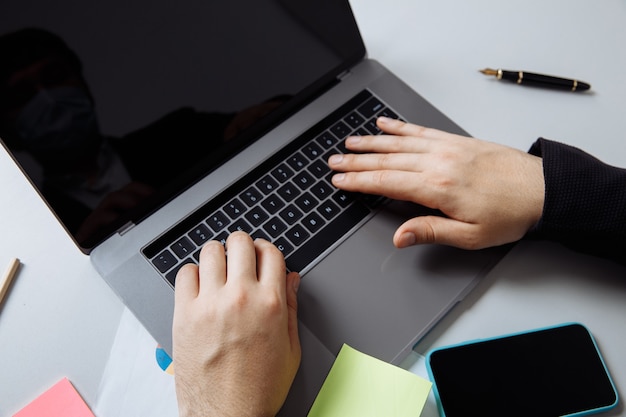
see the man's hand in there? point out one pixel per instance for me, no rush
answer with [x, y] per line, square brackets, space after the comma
[491, 194]
[235, 331]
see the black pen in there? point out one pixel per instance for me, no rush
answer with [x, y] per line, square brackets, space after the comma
[538, 80]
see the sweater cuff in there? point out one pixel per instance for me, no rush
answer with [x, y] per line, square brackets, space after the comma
[585, 200]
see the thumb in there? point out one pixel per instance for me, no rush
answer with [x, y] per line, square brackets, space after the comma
[293, 282]
[435, 229]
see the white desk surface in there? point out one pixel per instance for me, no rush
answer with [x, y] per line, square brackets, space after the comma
[59, 318]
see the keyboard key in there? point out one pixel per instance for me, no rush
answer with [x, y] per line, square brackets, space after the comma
[267, 184]
[200, 234]
[275, 227]
[326, 140]
[388, 113]
[371, 107]
[282, 173]
[272, 204]
[313, 222]
[304, 180]
[218, 221]
[283, 245]
[321, 190]
[234, 209]
[343, 198]
[354, 120]
[288, 191]
[306, 202]
[312, 150]
[319, 168]
[251, 196]
[183, 247]
[328, 209]
[340, 129]
[372, 128]
[297, 161]
[291, 214]
[240, 226]
[297, 235]
[256, 216]
[341, 147]
[164, 261]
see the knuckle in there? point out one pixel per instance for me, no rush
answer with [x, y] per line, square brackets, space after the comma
[273, 305]
[239, 299]
[383, 161]
[379, 178]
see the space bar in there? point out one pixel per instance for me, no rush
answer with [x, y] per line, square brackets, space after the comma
[330, 234]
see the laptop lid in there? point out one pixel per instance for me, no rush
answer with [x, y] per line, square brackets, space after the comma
[113, 109]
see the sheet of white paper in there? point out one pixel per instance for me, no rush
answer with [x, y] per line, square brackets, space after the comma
[133, 384]
[416, 363]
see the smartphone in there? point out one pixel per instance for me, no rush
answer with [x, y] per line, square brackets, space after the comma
[552, 371]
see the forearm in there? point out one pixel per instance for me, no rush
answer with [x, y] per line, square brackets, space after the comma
[585, 201]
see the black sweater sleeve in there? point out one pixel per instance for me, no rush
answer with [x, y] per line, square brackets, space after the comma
[585, 201]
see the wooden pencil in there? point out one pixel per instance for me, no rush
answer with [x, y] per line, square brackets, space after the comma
[8, 277]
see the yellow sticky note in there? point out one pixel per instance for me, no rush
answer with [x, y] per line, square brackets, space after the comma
[363, 386]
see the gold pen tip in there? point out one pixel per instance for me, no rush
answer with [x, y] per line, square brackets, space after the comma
[489, 71]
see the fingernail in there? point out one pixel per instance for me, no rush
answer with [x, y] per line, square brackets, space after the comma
[353, 140]
[335, 159]
[384, 120]
[339, 177]
[407, 239]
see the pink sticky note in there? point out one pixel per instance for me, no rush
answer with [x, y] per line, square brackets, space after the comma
[60, 400]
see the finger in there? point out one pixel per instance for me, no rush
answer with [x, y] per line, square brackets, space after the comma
[440, 230]
[186, 284]
[376, 161]
[241, 262]
[186, 291]
[271, 268]
[212, 266]
[293, 283]
[387, 144]
[397, 185]
[398, 127]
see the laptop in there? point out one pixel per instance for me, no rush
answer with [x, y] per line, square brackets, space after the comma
[207, 117]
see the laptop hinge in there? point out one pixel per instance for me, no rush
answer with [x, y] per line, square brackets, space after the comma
[125, 228]
[344, 75]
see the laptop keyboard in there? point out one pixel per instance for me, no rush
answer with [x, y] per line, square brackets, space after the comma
[288, 200]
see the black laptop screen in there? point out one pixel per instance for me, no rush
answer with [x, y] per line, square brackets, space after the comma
[111, 108]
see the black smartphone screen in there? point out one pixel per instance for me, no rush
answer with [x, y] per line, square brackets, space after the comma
[554, 371]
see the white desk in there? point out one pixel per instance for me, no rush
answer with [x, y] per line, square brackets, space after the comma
[59, 318]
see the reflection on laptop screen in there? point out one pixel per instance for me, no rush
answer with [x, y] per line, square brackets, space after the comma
[111, 108]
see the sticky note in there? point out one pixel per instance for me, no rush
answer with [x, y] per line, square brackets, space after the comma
[361, 385]
[62, 400]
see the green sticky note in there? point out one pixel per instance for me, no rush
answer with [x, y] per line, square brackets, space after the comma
[360, 385]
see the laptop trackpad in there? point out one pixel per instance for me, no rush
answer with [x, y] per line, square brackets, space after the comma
[380, 299]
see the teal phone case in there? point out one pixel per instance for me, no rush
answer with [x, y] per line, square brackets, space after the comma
[471, 342]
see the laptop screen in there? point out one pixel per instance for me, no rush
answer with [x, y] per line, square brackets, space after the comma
[112, 108]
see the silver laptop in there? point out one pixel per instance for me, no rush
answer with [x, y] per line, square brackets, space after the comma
[212, 117]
